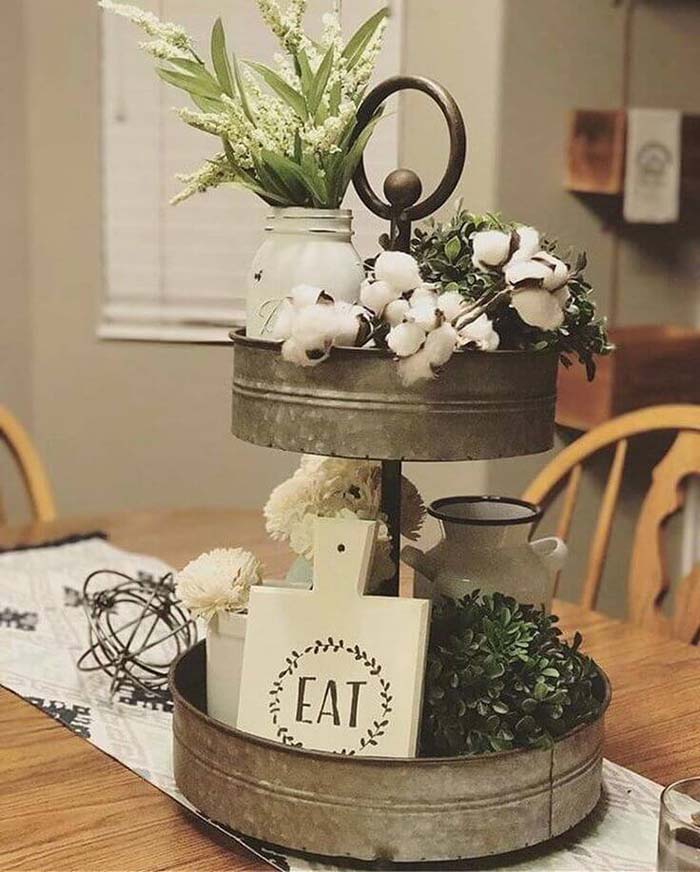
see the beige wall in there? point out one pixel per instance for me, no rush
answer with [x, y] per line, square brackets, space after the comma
[121, 425]
[577, 60]
[15, 315]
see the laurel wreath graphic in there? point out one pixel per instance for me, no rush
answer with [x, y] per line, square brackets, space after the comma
[373, 733]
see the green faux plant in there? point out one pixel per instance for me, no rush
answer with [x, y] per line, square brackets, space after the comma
[500, 677]
[446, 255]
[289, 134]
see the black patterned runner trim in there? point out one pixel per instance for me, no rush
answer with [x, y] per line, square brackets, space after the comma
[56, 543]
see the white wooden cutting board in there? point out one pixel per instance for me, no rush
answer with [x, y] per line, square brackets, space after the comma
[330, 669]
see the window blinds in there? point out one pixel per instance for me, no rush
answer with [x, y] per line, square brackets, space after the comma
[177, 273]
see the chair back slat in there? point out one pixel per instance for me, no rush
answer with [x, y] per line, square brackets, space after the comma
[649, 583]
[567, 512]
[686, 615]
[569, 504]
[30, 466]
[601, 537]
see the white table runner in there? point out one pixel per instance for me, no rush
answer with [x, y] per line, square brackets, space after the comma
[43, 631]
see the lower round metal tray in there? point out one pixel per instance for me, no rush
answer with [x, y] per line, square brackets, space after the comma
[372, 808]
[482, 405]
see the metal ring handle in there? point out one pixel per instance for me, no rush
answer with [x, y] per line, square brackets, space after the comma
[403, 187]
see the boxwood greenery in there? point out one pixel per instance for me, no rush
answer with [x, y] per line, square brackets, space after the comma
[499, 676]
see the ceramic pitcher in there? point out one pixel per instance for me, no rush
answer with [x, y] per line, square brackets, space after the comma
[486, 546]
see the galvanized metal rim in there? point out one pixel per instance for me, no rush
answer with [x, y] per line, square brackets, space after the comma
[436, 510]
[238, 336]
[371, 761]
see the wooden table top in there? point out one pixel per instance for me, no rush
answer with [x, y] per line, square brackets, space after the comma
[66, 805]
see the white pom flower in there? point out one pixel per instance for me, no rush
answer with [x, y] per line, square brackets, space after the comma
[451, 303]
[491, 249]
[480, 334]
[427, 317]
[395, 311]
[218, 581]
[528, 243]
[284, 320]
[308, 295]
[330, 487]
[398, 269]
[415, 368]
[424, 295]
[539, 308]
[441, 344]
[405, 339]
[377, 295]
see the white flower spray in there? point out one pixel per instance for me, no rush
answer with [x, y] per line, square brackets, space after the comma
[329, 487]
[280, 125]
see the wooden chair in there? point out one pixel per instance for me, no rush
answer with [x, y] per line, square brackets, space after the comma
[648, 582]
[30, 466]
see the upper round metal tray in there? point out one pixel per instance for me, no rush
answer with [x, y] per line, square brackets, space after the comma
[483, 405]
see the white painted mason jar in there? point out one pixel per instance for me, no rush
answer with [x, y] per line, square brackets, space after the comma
[303, 247]
[225, 641]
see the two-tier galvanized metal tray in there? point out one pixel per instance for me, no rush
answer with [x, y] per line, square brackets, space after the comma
[374, 808]
[482, 405]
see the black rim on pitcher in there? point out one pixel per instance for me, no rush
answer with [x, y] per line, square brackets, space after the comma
[440, 509]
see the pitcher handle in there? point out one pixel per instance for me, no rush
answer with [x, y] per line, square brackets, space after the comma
[552, 551]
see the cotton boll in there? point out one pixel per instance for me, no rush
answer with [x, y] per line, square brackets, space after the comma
[562, 296]
[451, 303]
[415, 368]
[312, 335]
[559, 271]
[539, 308]
[491, 249]
[480, 334]
[353, 325]
[294, 351]
[528, 243]
[284, 320]
[424, 295]
[395, 311]
[308, 295]
[440, 344]
[347, 327]
[317, 322]
[365, 327]
[526, 272]
[377, 295]
[399, 270]
[405, 339]
[428, 317]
